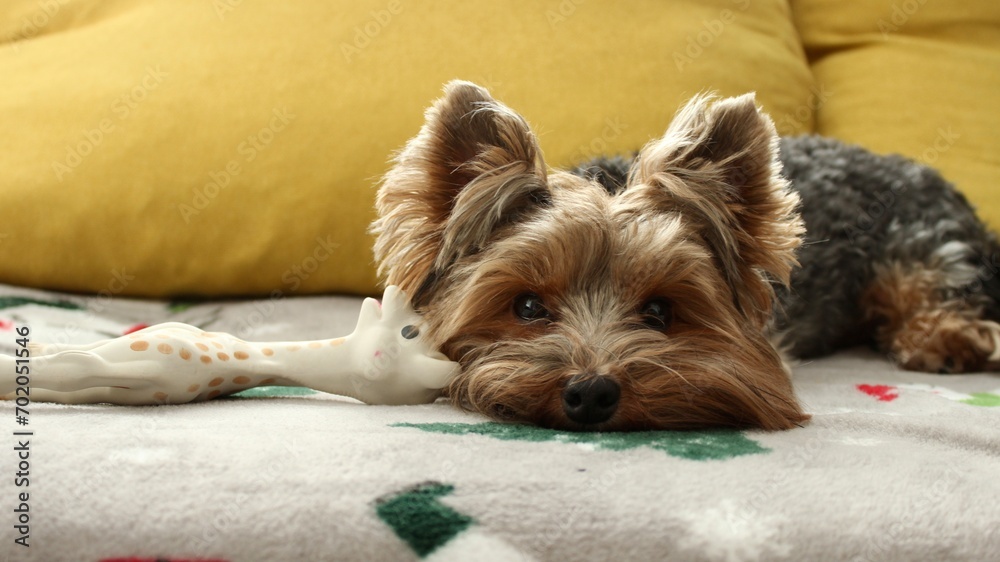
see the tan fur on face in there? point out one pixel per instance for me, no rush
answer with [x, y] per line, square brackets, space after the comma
[471, 237]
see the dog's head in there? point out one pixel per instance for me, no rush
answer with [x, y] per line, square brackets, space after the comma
[577, 305]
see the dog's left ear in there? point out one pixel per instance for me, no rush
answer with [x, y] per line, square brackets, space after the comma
[474, 167]
[718, 166]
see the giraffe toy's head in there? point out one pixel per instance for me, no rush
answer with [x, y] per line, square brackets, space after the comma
[394, 362]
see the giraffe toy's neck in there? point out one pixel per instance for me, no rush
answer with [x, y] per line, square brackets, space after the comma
[238, 365]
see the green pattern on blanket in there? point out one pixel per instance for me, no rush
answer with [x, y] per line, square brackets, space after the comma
[987, 399]
[11, 302]
[180, 306]
[693, 445]
[419, 519]
[267, 391]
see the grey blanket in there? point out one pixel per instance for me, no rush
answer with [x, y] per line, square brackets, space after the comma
[894, 466]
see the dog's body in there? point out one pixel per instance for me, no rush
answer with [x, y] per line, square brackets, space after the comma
[640, 295]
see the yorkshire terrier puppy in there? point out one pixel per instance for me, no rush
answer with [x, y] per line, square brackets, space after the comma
[641, 294]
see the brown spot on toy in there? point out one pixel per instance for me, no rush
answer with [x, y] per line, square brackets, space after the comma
[293, 347]
[241, 355]
[206, 359]
[267, 351]
[202, 346]
[139, 346]
[241, 380]
[194, 388]
[185, 354]
[315, 345]
[336, 342]
[266, 382]
[215, 382]
[213, 394]
[222, 356]
[164, 348]
[160, 396]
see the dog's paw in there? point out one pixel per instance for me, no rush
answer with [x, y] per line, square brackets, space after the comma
[945, 342]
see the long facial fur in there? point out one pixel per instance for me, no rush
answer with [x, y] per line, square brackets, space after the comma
[469, 218]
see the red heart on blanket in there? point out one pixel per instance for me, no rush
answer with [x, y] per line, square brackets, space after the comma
[882, 392]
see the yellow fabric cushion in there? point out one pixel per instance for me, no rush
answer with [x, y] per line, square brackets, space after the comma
[231, 148]
[915, 77]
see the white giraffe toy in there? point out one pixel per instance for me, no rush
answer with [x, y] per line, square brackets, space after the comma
[384, 361]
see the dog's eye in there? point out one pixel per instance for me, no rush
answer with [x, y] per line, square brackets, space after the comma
[657, 313]
[529, 307]
[409, 332]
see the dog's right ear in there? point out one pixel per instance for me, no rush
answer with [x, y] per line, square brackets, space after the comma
[473, 168]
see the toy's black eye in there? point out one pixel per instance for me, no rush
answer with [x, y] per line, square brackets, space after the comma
[410, 332]
[657, 313]
[529, 307]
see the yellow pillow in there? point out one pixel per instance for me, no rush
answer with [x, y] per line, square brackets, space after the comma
[231, 148]
[914, 77]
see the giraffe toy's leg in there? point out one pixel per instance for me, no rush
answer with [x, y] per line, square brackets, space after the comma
[84, 396]
[65, 371]
[72, 370]
[42, 349]
[8, 375]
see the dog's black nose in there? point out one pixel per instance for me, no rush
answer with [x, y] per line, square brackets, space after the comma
[590, 399]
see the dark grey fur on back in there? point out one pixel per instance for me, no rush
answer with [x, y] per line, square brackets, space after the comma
[611, 172]
[863, 210]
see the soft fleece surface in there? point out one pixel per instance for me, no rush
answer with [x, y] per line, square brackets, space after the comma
[894, 466]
